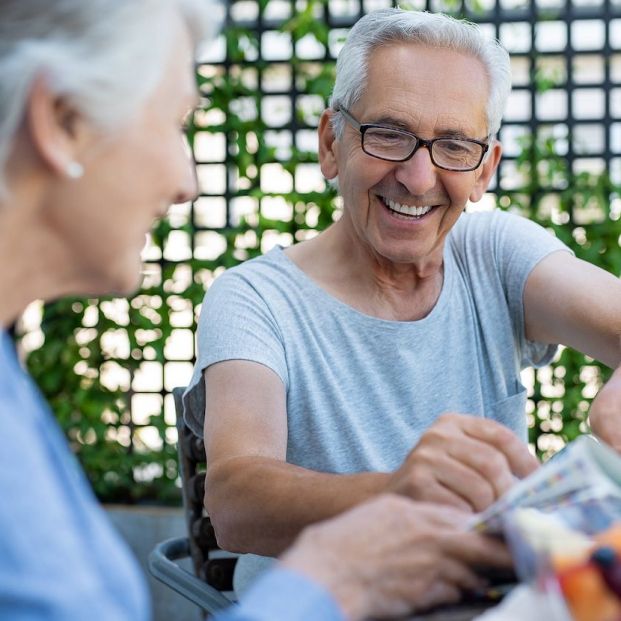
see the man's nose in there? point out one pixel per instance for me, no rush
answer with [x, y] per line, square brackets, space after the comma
[418, 174]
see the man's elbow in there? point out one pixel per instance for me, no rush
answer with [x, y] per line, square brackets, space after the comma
[227, 517]
[227, 530]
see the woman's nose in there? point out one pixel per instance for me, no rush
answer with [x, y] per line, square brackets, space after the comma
[187, 187]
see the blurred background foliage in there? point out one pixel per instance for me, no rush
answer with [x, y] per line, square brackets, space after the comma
[90, 353]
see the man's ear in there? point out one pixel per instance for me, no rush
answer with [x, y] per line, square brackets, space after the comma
[54, 127]
[486, 171]
[327, 146]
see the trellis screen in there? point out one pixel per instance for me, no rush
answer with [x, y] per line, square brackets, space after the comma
[265, 82]
[566, 64]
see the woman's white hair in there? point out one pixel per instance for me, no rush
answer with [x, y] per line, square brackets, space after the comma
[104, 56]
[387, 26]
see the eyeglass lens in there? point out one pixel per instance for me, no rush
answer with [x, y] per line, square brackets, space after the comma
[449, 152]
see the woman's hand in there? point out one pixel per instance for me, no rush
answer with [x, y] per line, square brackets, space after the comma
[391, 555]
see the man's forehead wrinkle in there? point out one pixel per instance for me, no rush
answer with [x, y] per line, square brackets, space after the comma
[451, 121]
[435, 122]
[418, 104]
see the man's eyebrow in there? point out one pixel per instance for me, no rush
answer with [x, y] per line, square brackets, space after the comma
[392, 121]
[455, 133]
[400, 124]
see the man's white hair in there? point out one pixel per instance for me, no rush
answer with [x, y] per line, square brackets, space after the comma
[104, 56]
[387, 26]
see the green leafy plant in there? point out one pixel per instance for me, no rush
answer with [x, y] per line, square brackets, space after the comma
[95, 350]
[581, 209]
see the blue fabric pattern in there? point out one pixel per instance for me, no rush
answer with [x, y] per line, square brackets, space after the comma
[282, 594]
[60, 558]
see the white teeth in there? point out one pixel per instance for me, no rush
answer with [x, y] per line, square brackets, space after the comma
[407, 209]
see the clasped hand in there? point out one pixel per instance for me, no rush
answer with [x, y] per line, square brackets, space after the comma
[464, 461]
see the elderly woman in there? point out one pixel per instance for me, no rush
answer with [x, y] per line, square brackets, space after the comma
[89, 156]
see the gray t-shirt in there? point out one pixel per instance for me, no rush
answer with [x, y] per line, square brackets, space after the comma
[362, 390]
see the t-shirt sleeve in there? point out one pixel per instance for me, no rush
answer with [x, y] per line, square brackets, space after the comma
[519, 245]
[283, 594]
[236, 323]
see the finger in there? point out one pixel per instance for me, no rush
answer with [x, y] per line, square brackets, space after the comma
[471, 477]
[429, 475]
[457, 573]
[442, 493]
[440, 516]
[475, 549]
[519, 458]
[483, 472]
[437, 593]
[467, 467]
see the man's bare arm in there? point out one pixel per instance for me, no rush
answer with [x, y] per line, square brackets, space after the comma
[259, 503]
[572, 302]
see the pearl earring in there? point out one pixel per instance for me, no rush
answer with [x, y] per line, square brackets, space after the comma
[74, 170]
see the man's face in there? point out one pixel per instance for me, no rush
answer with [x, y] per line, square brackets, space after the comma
[431, 93]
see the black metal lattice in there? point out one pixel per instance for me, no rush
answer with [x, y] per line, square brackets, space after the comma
[566, 63]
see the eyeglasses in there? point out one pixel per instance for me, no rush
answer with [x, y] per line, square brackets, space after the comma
[399, 145]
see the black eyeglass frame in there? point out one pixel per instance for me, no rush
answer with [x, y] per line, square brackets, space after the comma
[420, 142]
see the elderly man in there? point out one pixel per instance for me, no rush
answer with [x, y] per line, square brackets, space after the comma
[385, 353]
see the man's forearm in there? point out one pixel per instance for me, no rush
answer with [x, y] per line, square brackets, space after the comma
[260, 505]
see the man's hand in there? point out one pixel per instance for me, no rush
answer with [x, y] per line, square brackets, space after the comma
[390, 555]
[464, 461]
[605, 413]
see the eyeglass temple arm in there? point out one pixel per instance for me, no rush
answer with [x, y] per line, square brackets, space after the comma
[348, 116]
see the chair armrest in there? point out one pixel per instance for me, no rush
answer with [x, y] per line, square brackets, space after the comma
[162, 566]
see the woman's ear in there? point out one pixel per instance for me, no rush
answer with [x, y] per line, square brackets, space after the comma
[55, 128]
[486, 171]
[327, 146]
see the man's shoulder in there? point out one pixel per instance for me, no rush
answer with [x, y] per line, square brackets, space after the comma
[264, 265]
[253, 273]
[482, 227]
[472, 229]
[481, 220]
[271, 277]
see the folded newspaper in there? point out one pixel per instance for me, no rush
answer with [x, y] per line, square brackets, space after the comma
[583, 481]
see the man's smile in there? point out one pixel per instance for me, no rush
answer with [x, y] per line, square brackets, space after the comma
[410, 211]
